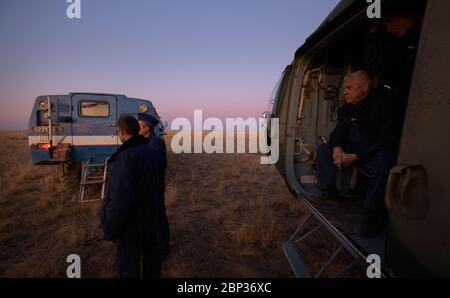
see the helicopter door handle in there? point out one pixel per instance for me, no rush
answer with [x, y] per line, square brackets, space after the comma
[407, 192]
[110, 125]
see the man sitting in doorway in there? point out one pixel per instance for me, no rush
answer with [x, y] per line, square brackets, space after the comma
[362, 137]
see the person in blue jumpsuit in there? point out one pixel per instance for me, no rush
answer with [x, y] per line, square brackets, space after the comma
[363, 136]
[130, 211]
[147, 124]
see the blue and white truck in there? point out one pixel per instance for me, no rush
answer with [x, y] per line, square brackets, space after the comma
[77, 132]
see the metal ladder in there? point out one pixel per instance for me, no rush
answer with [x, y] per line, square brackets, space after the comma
[297, 262]
[347, 243]
[93, 174]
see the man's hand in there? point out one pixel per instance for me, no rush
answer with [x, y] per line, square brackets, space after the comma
[348, 160]
[337, 153]
[342, 159]
[338, 163]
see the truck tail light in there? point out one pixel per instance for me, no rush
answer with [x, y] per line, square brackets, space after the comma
[43, 146]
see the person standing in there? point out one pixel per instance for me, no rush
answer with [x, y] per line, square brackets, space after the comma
[147, 124]
[130, 211]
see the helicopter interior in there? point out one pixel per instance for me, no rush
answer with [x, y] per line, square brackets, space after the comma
[317, 116]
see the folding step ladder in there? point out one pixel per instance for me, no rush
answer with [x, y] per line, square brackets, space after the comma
[93, 174]
[358, 247]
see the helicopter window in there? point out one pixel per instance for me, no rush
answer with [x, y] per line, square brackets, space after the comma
[94, 109]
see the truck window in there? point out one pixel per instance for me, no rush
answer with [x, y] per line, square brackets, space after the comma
[94, 109]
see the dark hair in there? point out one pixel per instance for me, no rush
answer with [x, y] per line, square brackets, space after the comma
[129, 124]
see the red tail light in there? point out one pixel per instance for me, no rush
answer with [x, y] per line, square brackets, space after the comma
[43, 146]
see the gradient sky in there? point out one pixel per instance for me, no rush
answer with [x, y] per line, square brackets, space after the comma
[221, 56]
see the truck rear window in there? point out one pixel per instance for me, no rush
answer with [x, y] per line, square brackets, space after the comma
[94, 109]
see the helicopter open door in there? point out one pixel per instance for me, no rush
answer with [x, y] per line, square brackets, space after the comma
[310, 111]
[278, 108]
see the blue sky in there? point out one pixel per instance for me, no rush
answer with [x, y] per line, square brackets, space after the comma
[223, 57]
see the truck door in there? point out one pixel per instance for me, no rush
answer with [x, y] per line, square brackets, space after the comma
[94, 126]
[418, 190]
[52, 122]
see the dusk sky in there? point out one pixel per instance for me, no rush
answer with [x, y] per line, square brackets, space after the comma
[221, 56]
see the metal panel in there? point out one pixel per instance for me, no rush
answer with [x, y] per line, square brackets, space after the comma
[281, 106]
[420, 245]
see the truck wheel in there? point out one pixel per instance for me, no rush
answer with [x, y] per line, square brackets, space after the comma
[70, 175]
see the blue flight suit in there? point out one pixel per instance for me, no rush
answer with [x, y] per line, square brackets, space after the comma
[130, 211]
[164, 230]
[364, 129]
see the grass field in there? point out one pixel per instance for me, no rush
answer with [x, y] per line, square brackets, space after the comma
[228, 214]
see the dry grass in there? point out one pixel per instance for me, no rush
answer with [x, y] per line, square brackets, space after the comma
[228, 214]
